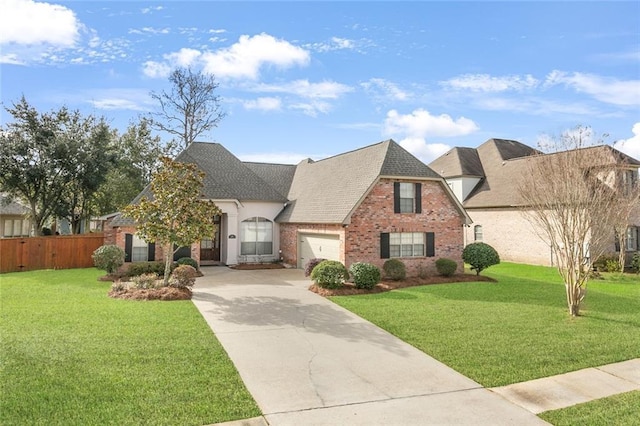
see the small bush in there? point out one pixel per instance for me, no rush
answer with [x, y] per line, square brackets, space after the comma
[145, 281]
[395, 270]
[480, 256]
[635, 263]
[330, 274]
[365, 275]
[108, 258]
[118, 286]
[446, 267]
[608, 263]
[312, 263]
[184, 276]
[140, 268]
[188, 261]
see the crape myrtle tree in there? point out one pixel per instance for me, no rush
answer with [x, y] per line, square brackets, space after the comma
[175, 215]
[190, 109]
[54, 161]
[625, 207]
[568, 197]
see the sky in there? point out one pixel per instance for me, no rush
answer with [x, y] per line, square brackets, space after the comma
[314, 79]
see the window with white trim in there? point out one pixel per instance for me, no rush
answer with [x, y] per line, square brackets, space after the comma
[477, 233]
[632, 238]
[406, 244]
[407, 197]
[139, 249]
[16, 228]
[256, 236]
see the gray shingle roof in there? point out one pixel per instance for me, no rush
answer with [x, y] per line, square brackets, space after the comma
[278, 176]
[328, 190]
[459, 161]
[11, 207]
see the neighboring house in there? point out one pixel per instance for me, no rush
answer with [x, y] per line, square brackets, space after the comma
[486, 180]
[14, 218]
[366, 205]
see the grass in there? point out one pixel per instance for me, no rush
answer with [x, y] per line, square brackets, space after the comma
[621, 410]
[71, 355]
[515, 330]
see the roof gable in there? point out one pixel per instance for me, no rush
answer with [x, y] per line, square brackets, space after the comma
[459, 161]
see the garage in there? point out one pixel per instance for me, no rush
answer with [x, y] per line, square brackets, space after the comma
[323, 246]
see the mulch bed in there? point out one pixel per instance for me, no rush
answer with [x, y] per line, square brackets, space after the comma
[256, 266]
[163, 293]
[349, 289]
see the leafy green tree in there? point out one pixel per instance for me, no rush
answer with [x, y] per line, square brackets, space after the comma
[138, 155]
[480, 256]
[176, 215]
[54, 161]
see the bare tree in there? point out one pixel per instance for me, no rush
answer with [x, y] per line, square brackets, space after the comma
[191, 108]
[626, 207]
[568, 196]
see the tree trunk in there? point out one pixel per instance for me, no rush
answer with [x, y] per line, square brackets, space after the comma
[168, 257]
[573, 299]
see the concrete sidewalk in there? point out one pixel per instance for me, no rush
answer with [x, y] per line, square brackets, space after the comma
[307, 361]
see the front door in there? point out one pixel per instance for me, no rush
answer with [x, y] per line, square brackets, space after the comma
[210, 247]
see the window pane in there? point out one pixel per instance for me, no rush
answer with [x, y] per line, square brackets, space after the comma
[247, 248]
[264, 247]
[139, 254]
[418, 249]
[17, 227]
[406, 205]
[407, 250]
[8, 227]
[26, 228]
[394, 238]
[407, 190]
[206, 243]
[394, 251]
[248, 232]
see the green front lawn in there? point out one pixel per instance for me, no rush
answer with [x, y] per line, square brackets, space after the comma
[515, 330]
[71, 355]
[619, 410]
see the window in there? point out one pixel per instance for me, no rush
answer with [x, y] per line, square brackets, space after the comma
[256, 237]
[407, 244]
[477, 233]
[629, 181]
[15, 228]
[407, 197]
[139, 249]
[632, 238]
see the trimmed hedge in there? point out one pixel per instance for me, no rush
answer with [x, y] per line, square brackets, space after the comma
[480, 256]
[108, 258]
[330, 274]
[365, 275]
[395, 269]
[446, 267]
[188, 261]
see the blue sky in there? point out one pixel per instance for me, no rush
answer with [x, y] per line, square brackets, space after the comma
[313, 79]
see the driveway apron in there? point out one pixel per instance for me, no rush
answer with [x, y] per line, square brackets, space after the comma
[308, 361]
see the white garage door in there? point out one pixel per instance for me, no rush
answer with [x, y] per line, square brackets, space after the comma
[318, 246]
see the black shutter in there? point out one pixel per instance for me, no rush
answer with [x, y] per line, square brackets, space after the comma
[128, 244]
[431, 244]
[396, 197]
[151, 253]
[384, 245]
[617, 244]
[418, 197]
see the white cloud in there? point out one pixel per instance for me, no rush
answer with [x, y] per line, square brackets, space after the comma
[605, 89]
[305, 89]
[382, 88]
[414, 129]
[184, 57]
[631, 146]
[421, 124]
[335, 43]
[426, 152]
[11, 59]
[312, 108]
[488, 83]
[154, 69]
[149, 30]
[147, 10]
[249, 55]
[117, 104]
[263, 104]
[117, 99]
[26, 22]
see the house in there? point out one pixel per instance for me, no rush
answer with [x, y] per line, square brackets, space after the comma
[365, 205]
[485, 180]
[14, 218]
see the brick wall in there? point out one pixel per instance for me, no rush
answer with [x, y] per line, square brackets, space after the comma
[376, 215]
[289, 238]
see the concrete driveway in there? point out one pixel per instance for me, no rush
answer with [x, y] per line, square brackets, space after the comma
[308, 361]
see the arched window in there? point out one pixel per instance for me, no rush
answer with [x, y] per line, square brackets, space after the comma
[256, 236]
[477, 233]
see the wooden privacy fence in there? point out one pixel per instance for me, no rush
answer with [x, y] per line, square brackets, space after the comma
[52, 252]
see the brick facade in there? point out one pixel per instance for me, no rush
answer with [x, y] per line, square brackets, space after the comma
[360, 240]
[117, 236]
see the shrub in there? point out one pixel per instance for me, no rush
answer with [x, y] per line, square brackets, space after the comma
[108, 258]
[330, 274]
[608, 263]
[145, 281]
[394, 269]
[184, 276]
[140, 268]
[118, 286]
[365, 275]
[446, 267]
[311, 264]
[480, 256]
[635, 263]
[188, 261]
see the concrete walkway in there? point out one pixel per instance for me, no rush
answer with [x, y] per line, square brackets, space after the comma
[307, 361]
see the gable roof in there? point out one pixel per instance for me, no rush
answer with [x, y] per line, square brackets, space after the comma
[278, 176]
[12, 207]
[504, 165]
[459, 161]
[327, 191]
